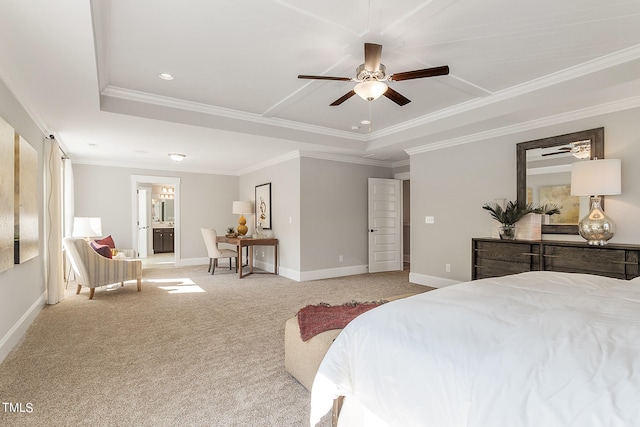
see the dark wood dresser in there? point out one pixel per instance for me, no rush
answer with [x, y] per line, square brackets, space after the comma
[494, 257]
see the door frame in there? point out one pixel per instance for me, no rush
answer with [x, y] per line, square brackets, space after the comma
[405, 176]
[136, 180]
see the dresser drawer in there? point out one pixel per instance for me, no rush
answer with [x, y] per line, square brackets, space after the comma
[498, 258]
[590, 260]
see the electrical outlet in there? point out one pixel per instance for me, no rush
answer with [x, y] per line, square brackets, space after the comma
[262, 254]
[447, 268]
[340, 258]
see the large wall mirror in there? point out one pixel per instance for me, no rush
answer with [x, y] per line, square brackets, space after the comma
[544, 175]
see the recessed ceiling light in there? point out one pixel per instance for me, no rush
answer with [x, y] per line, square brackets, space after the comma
[177, 157]
[365, 122]
[165, 76]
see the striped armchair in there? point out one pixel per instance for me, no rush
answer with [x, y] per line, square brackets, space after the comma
[93, 270]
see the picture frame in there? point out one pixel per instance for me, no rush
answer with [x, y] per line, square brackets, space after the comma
[7, 199]
[263, 206]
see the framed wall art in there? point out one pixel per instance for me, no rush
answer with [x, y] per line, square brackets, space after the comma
[7, 188]
[26, 201]
[263, 206]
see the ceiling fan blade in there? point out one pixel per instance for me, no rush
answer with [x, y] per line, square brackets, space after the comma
[561, 150]
[342, 98]
[396, 97]
[372, 55]
[419, 74]
[342, 79]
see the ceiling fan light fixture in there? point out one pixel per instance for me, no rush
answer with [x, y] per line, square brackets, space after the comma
[370, 90]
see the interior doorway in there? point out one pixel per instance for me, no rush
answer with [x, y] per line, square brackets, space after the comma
[146, 224]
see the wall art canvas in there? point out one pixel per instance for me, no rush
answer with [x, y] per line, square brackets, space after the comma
[7, 176]
[569, 205]
[26, 201]
[263, 206]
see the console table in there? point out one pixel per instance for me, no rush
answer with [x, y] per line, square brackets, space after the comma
[250, 242]
[494, 257]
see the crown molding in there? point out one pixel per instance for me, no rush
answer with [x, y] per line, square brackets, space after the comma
[198, 107]
[151, 168]
[271, 162]
[580, 70]
[584, 113]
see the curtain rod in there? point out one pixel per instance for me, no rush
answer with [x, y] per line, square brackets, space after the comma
[64, 155]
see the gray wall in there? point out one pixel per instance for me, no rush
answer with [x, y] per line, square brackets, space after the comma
[334, 213]
[22, 288]
[205, 201]
[452, 184]
[285, 213]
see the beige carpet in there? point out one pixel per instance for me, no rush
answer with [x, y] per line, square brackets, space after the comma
[190, 349]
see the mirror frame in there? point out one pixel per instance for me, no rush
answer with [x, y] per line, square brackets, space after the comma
[596, 136]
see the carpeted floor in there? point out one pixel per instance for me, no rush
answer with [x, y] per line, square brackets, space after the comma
[190, 349]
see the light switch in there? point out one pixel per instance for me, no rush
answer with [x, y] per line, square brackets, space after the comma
[429, 220]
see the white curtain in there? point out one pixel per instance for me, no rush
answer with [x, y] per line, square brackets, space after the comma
[53, 269]
[67, 194]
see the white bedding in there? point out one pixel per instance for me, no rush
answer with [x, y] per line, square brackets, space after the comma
[533, 349]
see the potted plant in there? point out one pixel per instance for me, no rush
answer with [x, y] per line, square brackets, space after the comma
[231, 232]
[508, 216]
[547, 210]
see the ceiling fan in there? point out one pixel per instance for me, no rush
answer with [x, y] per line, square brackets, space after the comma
[371, 77]
[580, 149]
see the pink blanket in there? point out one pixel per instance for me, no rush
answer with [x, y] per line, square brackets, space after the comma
[314, 319]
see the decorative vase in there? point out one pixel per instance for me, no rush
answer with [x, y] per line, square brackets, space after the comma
[596, 227]
[508, 232]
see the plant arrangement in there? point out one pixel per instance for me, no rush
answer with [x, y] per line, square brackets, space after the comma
[231, 232]
[511, 213]
[548, 209]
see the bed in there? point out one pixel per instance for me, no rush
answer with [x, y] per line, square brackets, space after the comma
[531, 349]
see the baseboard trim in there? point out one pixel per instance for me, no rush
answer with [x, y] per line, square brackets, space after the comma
[333, 272]
[298, 276]
[433, 281]
[17, 331]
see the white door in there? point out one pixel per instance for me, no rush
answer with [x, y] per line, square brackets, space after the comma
[385, 225]
[143, 222]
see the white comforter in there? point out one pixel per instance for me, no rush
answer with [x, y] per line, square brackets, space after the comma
[533, 349]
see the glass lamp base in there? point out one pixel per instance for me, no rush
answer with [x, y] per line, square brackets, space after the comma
[596, 227]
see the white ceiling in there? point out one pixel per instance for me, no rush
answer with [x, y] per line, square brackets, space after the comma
[87, 71]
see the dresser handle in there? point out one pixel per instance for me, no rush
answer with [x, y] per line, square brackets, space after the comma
[551, 256]
[530, 254]
[624, 262]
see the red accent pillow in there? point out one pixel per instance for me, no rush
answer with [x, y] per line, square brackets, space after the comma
[107, 241]
[103, 250]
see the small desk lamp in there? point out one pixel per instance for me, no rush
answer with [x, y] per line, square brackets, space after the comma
[86, 227]
[596, 178]
[242, 208]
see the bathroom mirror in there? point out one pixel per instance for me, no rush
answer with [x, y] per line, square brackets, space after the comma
[544, 175]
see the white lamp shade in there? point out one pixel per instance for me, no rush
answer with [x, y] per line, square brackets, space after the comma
[242, 208]
[596, 177]
[370, 89]
[87, 227]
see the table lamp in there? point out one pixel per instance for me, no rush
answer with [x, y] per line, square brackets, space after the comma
[86, 227]
[242, 208]
[596, 178]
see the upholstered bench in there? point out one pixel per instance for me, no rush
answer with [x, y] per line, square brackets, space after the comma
[302, 358]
